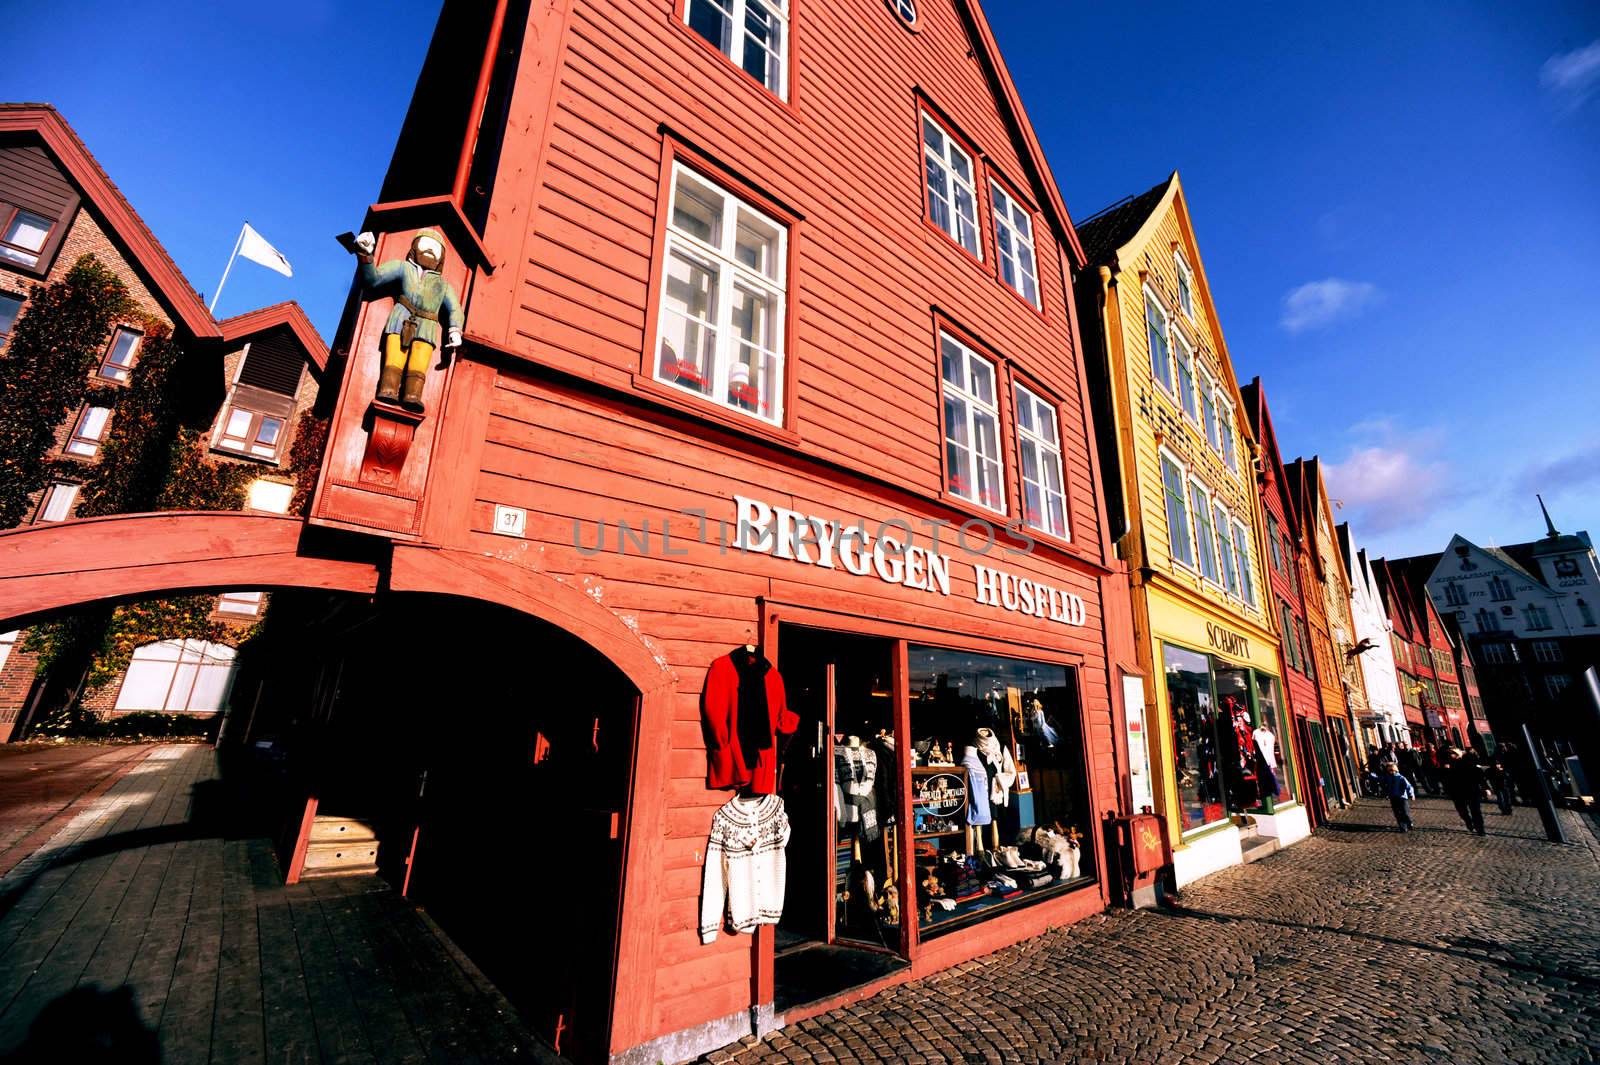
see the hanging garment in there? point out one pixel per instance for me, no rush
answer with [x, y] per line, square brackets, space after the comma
[886, 793]
[999, 765]
[1267, 744]
[746, 866]
[855, 771]
[744, 708]
[977, 788]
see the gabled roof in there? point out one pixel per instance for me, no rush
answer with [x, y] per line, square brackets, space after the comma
[1109, 229]
[287, 314]
[1254, 395]
[1011, 111]
[145, 253]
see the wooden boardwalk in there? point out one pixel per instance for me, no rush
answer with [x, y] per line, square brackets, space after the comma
[150, 928]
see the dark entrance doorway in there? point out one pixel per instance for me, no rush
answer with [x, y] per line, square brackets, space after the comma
[838, 784]
[492, 754]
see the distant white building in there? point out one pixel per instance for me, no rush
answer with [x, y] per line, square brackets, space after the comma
[1372, 637]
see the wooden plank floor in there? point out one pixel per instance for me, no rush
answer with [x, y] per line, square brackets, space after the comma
[148, 929]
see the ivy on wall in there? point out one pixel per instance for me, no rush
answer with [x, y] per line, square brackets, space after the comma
[305, 459]
[45, 371]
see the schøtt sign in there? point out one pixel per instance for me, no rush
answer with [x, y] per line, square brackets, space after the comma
[813, 541]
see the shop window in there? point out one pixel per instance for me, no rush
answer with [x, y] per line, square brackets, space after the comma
[178, 675]
[752, 33]
[8, 641]
[10, 308]
[997, 764]
[1202, 799]
[1272, 745]
[1247, 570]
[246, 603]
[1205, 533]
[1185, 286]
[1044, 502]
[1155, 331]
[274, 496]
[971, 425]
[58, 501]
[952, 199]
[1013, 237]
[1183, 359]
[89, 431]
[250, 432]
[723, 299]
[1179, 539]
[23, 235]
[121, 354]
[1225, 559]
[1546, 651]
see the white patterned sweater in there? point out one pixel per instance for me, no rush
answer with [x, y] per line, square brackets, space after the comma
[745, 867]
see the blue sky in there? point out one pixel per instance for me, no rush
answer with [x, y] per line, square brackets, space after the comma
[1397, 204]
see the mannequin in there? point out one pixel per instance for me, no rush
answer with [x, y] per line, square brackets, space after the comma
[978, 813]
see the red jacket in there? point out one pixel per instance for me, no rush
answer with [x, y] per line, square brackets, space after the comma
[726, 764]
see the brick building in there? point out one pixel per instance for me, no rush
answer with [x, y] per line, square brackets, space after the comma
[252, 376]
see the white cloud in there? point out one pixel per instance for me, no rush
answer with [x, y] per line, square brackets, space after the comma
[1392, 481]
[1572, 77]
[1319, 303]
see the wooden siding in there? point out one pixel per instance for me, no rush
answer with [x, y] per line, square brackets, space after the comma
[30, 178]
[845, 154]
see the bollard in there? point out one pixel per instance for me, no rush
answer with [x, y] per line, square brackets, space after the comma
[1546, 805]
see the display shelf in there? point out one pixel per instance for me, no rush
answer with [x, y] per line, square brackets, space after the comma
[935, 835]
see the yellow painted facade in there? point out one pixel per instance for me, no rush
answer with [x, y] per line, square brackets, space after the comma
[1153, 286]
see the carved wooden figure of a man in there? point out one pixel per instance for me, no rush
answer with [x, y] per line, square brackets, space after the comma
[423, 302]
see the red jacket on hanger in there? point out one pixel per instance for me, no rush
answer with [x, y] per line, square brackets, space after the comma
[745, 709]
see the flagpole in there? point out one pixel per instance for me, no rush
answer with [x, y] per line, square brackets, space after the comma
[218, 294]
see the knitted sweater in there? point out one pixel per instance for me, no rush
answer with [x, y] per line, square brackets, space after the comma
[745, 869]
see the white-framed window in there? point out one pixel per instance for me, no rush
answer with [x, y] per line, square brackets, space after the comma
[1180, 540]
[89, 431]
[1155, 331]
[247, 603]
[1183, 359]
[1546, 650]
[1013, 239]
[952, 199]
[1500, 589]
[1185, 285]
[1247, 572]
[752, 33]
[58, 500]
[1044, 500]
[1225, 559]
[1556, 683]
[723, 299]
[23, 235]
[1208, 407]
[1538, 617]
[121, 354]
[10, 310]
[973, 470]
[1455, 594]
[1227, 443]
[1495, 654]
[1205, 533]
[906, 9]
[178, 675]
[273, 496]
[8, 640]
[251, 432]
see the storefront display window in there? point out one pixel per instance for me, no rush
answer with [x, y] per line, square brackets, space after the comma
[1201, 799]
[1236, 737]
[999, 801]
[1271, 746]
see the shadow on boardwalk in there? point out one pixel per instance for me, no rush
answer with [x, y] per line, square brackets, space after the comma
[155, 928]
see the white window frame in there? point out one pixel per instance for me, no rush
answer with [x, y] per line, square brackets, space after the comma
[1247, 576]
[944, 161]
[972, 406]
[187, 658]
[735, 12]
[731, 273]
[1214, 577]
[1185, 285]
[1046, 455]
[1009, 217]
[84, 444]
[1207, 385]
[8, 641]
[1165, 334]
[246, 604]
[1167, 458]
[1547, 651]
[1183, 365]
[1556, 684]
[1227, 564]
[1227, 438]
[249, 441]
[906, 9]
[58, 501]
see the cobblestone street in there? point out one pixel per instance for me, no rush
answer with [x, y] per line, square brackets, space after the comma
[1358, 944]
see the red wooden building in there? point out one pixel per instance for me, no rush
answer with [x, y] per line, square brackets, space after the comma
[769, 343]
[1284, 555]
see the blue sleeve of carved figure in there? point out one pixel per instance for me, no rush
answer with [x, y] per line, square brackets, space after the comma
[451, 308]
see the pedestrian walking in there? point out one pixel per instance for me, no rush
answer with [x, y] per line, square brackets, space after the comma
[1500, 783]
[1400, 793]
[1464, 783]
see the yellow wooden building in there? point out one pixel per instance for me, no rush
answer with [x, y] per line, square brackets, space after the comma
[1180, 454]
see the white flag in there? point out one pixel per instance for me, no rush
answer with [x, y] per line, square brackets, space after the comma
[255, 248]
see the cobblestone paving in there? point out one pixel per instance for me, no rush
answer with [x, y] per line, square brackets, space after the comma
[1359, 944]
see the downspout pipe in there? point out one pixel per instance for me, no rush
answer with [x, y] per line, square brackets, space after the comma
[480, 97]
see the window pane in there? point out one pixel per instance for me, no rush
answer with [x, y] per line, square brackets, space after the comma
[982, 379]
[756, 245]
[268, 433]
[238, 424]
[58, 502]
[1241, 548]
[28, 231]
[1156, 335]
[688, 340]
[1178, 537]
[763, 44]
[712, 21]
[10, 307]
[1201, 799]
[123, 346]
[1203, 533]
[93, 426]
[697, 210]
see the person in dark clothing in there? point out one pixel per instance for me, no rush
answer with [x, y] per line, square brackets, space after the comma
[1500, 783]
[1463, 782]
[1400, 793]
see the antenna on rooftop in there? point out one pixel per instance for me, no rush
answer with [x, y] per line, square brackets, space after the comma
[1548, 524]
